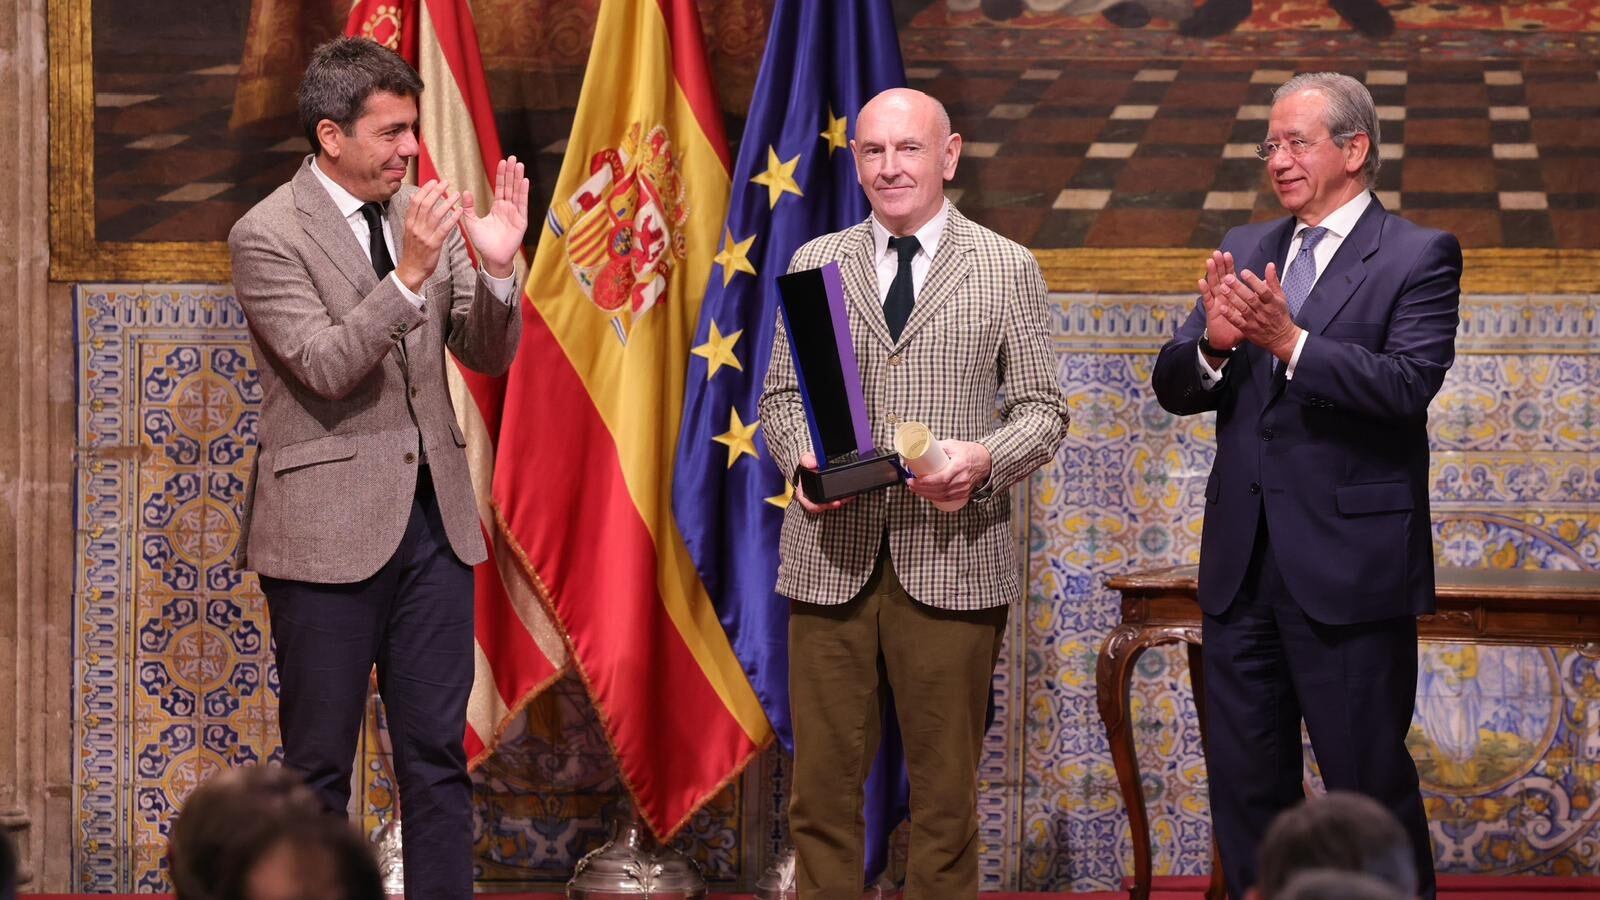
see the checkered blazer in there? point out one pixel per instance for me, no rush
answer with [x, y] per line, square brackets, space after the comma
[979, 327]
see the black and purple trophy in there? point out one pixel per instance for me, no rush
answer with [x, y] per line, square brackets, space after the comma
[830, 387]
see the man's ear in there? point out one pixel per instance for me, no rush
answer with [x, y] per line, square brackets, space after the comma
[328, 138]
[952, 150]
[1356, 152]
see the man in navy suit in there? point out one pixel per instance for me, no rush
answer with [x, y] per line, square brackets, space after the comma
[1319, 340]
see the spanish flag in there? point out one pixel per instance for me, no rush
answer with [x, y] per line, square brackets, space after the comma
[585, 466]
[518, 650]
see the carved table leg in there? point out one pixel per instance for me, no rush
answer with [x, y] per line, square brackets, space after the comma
[1217, 889]
[1113, 675]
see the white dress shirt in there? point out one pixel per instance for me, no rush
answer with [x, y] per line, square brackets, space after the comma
[350, 208]
[928, 236]
[1339, 223]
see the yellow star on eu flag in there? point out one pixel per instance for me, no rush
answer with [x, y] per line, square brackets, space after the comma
[835, 135]
[734, 256]
[717, 351]
[778, 178]
[782, 500]
[739, 438]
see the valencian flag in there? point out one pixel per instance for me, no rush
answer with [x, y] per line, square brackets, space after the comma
[584, 481]
[518, 648]
[795, 179]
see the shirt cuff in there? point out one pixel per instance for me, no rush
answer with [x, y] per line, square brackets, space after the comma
[415, 298]
[502, 288]
[1294, 358]
[1209, 377]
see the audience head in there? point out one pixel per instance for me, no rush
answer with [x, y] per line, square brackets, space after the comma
[1331, 884]
[8, 868]
[227, 819]
[325, 859]
[1342, 831]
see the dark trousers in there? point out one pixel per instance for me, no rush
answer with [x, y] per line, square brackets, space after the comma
[1268, 666]
[414, 621]
[939, 664]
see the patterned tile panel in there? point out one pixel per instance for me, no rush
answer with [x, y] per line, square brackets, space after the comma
[173, 678]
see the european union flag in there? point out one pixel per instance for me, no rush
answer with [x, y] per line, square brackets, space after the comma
[794, 180]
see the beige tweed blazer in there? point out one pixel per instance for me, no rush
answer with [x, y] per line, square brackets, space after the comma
[353, 387]
[979, 331]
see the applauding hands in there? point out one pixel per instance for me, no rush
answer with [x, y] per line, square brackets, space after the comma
[496, 235]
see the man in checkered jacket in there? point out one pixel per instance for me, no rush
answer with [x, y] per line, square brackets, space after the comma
[885, 589]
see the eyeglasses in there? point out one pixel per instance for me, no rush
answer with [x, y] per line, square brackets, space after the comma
[1296, 147]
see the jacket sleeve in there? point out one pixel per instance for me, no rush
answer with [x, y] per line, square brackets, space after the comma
[1176, 377]
[483, 331]
[292, 323]
[1399, 381]
[1033, 413]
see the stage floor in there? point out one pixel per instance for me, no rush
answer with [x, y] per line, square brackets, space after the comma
[1451, 887]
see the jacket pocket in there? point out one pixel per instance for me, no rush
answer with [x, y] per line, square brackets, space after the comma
[332, 448]
[1367, 499]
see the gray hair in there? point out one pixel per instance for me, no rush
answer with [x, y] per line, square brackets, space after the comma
[343, 73]
[1349, 111]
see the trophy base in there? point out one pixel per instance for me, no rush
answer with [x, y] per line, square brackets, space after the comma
[847, 479]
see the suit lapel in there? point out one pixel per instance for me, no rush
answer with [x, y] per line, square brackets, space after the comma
[859, 271]
[320, 218]
[1345, 271]
[950, 266]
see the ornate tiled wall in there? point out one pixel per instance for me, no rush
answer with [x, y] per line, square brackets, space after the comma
[173, 680]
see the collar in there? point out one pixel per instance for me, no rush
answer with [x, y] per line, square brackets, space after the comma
[1343, 220]
[928, 236]
[346, 201]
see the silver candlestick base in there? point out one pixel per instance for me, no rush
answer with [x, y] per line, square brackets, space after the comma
[634, 864]
[391, 858]
[778, 882]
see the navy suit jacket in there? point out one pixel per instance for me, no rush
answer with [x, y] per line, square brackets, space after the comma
[1337, 458]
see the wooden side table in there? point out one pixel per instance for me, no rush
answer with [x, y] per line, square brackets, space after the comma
[1486, 606]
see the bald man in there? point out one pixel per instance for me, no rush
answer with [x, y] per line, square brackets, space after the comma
[885, 589]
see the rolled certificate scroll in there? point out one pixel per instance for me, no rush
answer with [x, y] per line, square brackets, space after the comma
[923, 456]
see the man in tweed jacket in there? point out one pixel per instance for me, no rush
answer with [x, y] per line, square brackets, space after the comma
[361, 520]
[886, 589]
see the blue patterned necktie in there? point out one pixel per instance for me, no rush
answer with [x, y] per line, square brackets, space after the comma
[1301, 276]
[1302, 272]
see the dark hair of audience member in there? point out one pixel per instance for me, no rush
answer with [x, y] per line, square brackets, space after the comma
[1344, 831]
[325, 859]
[8, 868]
[226, 820]
[1332, 884]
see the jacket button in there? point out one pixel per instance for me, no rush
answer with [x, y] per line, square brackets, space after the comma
[894, 360]
[894, 419]
[399, 331]
[1266, 434]
[414, 390]
[1255, 488]
[411, 458]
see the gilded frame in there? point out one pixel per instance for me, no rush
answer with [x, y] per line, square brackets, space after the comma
[77, 255]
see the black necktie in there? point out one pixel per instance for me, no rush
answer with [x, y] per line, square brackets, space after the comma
[381, 263]
[902, 293]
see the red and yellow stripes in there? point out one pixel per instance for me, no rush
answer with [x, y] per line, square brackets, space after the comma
[585, 461]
